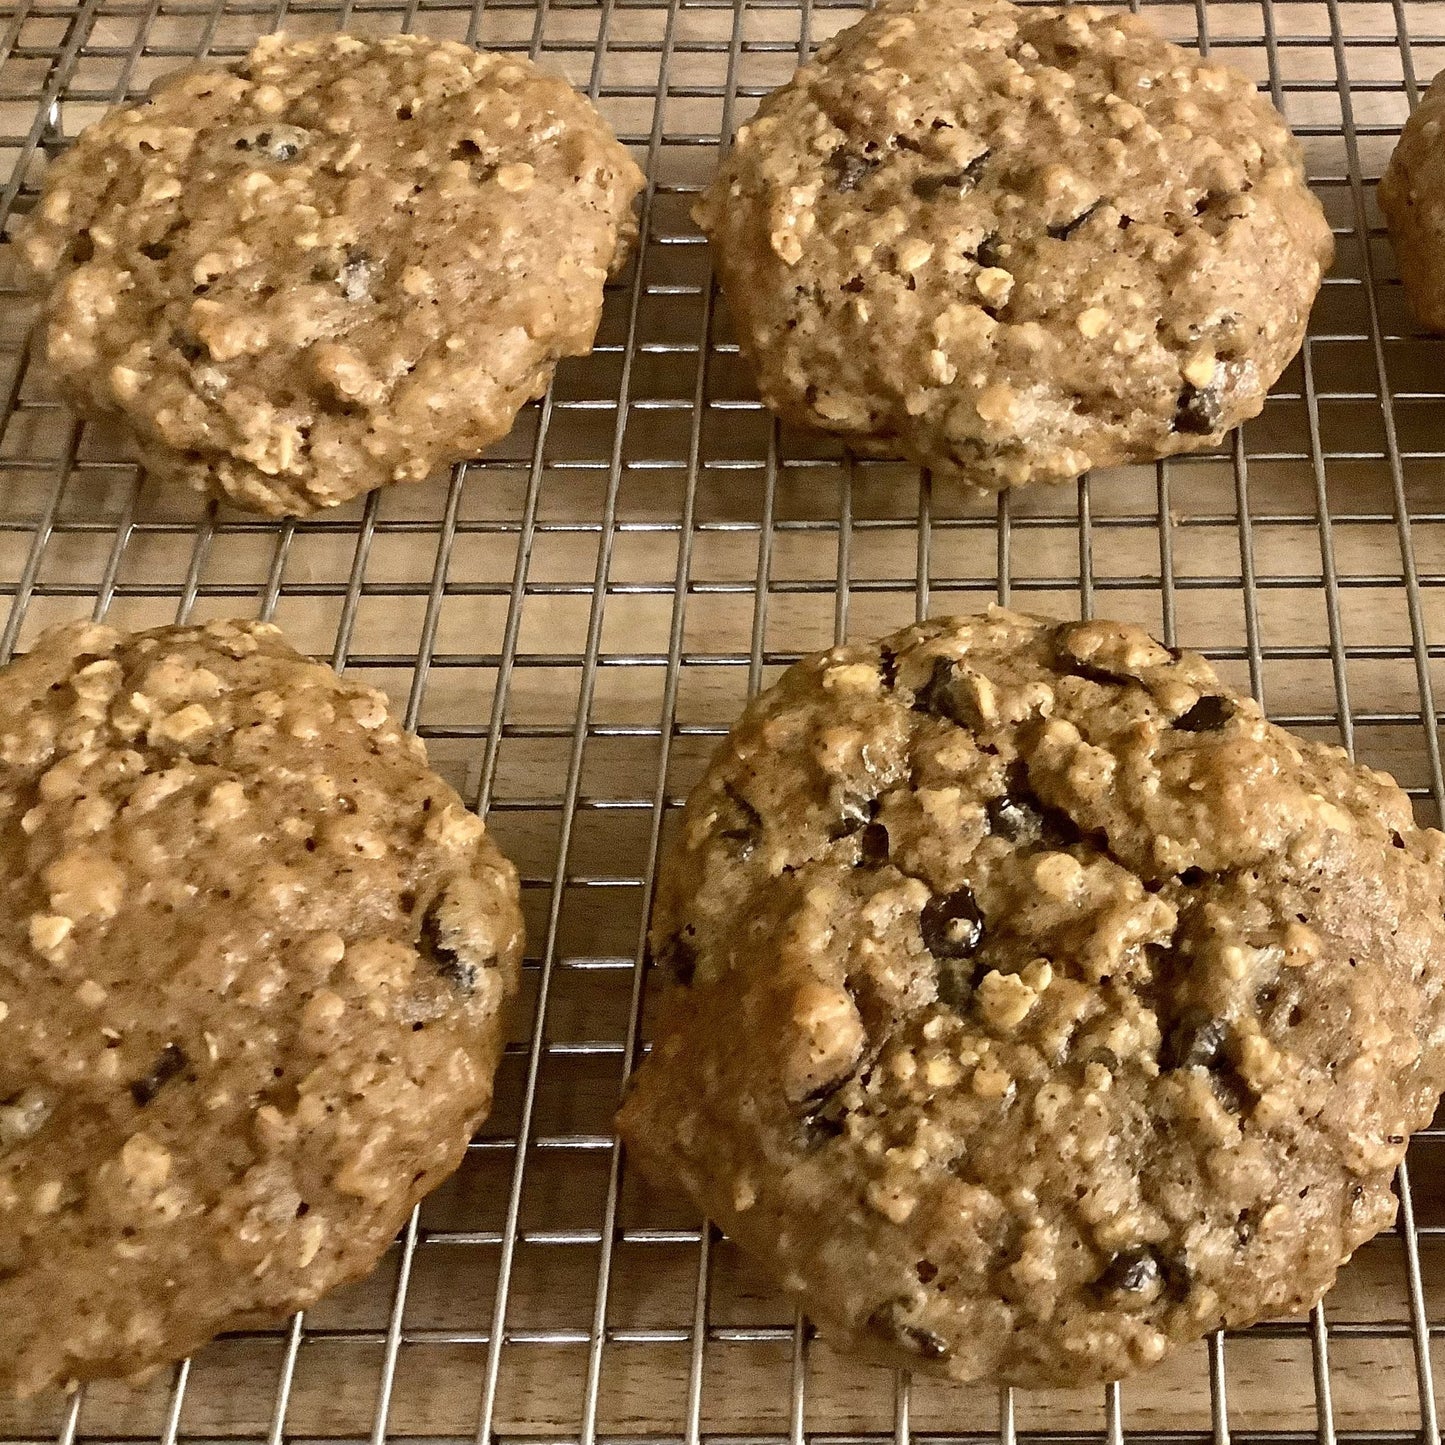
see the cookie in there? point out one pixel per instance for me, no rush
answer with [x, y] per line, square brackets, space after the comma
[340, 264]
[1412, 196]
[1014, 244]
[1033, 1006]
[253, 963]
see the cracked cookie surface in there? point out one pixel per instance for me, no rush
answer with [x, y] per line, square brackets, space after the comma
[253, 962]
[341, 264]
[1014, 244]
[1032, 1006]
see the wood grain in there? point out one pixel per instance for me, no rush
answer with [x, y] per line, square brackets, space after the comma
[1170, 547]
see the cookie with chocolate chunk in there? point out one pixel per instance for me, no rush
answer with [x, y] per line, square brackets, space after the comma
[1032, 1006]
[253, 963]
[340, 264]
[1016, 243]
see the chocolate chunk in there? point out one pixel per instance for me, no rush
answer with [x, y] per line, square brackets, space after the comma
[1065, 661]
[857, 812]
[1021, 816]
[1136, 1270]
[988, 253]
[1229, 1089]
[1014, 819]
[1103, 675]
[446, 961]
[929, 187]
[281, 143]
[679, 958]
[155, 250]
[873, 845]
[955, 981]
[888, 666]
[974, 169]
[1067, 229]
[849, 170]
[1178, 1277]
[924, 1342]
[944, 696]
[1200, 410]
[931, 697]
[1196, 1041]
[888, 1321]
[952, 926]
[824, 1115]
[169, 1063]
[190, 349]
[1208, 715]
[748, 828]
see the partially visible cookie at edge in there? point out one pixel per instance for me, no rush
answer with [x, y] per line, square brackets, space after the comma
[339, 264]
[1031, 1006]
[1016, 243]
[254, 958]
[1412, 196]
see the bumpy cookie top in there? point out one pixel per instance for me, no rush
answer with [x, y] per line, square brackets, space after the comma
[253, 956]
[1036, 1004]
[1016, 243]
[337, 265]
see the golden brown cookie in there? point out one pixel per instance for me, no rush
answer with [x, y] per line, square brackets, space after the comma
[1412, 196]
[253, 962]
[341, 264]
[1016, 243]
[1033, 1006]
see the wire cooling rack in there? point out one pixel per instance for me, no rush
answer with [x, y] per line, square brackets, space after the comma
[571, 621]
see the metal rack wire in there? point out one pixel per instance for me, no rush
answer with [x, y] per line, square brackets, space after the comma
[571, 621]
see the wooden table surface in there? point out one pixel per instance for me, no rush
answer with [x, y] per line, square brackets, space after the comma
[725, 548]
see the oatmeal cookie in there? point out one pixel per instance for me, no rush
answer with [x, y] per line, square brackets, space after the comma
[253, 963]
[1014, 244]
[340, 264]
[1033, 1006]
[1412, 197]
